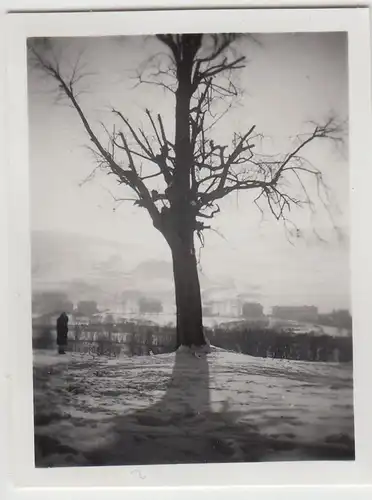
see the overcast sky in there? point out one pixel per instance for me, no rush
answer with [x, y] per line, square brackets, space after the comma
[289, 81]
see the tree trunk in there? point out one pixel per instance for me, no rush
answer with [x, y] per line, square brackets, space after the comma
[188, 297]
[182, 215]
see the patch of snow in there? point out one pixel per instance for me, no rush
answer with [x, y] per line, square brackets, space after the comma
[136, 405]
[47, 357]
[195, 350]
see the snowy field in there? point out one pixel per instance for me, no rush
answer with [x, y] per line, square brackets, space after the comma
[180, 408]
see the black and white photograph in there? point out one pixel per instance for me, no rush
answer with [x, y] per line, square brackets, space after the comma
[190, 248]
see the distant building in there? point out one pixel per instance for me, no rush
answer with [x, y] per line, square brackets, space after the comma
[86, 308]
[307, 314]
[147, 305]
[226, 308]
[82, 319]
[207, 309]
[252, 310]
[225, 302]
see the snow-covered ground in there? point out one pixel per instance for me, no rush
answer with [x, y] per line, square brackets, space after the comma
[180, 408]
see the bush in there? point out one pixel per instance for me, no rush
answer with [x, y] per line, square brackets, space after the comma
[287, 345]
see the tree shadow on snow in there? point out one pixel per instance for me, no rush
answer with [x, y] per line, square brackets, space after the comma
[182, 428]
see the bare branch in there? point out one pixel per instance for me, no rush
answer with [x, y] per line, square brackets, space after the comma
[221, 43]
[154, 126]
[265, 174]
[196, 170]
[134, 134]
[128, 177]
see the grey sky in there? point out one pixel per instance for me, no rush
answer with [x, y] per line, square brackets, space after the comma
[290, 80]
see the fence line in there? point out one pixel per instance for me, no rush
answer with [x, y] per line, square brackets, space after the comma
[113, 340]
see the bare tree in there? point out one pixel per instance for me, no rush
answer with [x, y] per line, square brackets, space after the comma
[196, 172]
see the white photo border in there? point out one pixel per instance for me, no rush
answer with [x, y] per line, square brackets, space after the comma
[19, 362]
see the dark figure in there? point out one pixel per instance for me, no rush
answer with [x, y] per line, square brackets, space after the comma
[62, 330]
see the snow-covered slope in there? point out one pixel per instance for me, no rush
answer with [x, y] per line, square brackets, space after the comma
[181, 408]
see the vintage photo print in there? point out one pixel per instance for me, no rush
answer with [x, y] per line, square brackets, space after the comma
[190, 245]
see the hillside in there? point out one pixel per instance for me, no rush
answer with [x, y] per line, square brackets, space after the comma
[90, 268]
[63, 257]
[179, 408]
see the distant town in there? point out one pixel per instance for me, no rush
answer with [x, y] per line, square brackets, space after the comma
[217, 309]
